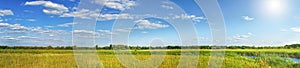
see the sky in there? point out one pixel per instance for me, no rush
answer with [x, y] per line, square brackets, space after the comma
[51, 22]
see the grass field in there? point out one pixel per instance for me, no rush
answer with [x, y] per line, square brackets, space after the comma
[234, 58]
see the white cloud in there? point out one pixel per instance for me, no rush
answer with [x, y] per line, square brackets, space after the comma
[19, 27]
[22, 35]
[192, 17]
[144, 32]
[14, 27]
[4, 25]
[116, 4]
[6, 12]
[122, 30]
[86, 34]
[167, 7]
[27, 37]
[101, 2]
[295, 29]
[50, 7]
[51, 35]
[95, 14]
[85, 31]
[66, 24]
[247, 18]
[250, 33]
[103, 17]
[49, 26]
[28, 40]
[31, 20]
[9, 38]
[105, 31]
[83, 14]
[145, 24]
[242, 37]
[115, 32]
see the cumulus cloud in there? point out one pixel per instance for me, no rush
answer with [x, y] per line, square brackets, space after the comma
[295, 29]
[242, 37]
[167, 7]
[66, 24]
[192, 17]
[4, 25]
[50, 7]
[9, 38]
[146, 24]
[103, 17]
[247, 18]
[85, 31]
[105, 31]
[23, 35]
[86, 34]
[101, 2]
[95, 14]
[116, 4]
[6, 12]
[122, 30]
[17, 27]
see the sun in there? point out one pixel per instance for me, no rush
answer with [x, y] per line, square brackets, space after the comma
[274, 7]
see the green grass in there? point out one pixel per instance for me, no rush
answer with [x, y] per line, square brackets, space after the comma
[65, 58]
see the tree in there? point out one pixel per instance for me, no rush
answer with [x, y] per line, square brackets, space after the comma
[3, 47]
[96, 46]
[69, 47]
[110, 46]
[49, 47]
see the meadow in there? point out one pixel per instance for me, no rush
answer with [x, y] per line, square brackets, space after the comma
[234, 58]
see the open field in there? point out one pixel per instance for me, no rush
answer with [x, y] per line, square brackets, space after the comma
[234, 58]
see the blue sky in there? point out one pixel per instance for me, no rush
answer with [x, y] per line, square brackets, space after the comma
[49, 22]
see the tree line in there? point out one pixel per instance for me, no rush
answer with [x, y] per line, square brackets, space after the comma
[110, 47]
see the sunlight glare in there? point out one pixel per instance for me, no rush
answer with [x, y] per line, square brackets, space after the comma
[274, 7]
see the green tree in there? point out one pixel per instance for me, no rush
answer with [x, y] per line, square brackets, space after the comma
[110, 46]
[49, 47]
[97, 47]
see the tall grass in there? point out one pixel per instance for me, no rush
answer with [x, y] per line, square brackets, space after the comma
[65, 59]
